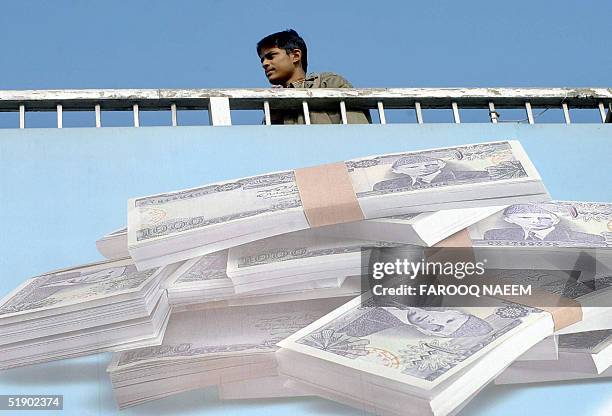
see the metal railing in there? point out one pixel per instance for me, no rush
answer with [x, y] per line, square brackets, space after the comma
[220, 102]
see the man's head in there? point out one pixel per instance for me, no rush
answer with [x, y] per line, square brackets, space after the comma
[283, 56]
[417, 165]
[447, 323]
[530, 217]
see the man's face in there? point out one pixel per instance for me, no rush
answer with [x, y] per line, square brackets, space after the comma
[278, 65]
[439, 323]
[533, 221]
[415, 170]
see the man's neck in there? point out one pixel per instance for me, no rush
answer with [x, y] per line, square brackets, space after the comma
[298, 75]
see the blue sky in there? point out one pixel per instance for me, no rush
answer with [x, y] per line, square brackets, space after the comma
[205, 44]
[211, 44]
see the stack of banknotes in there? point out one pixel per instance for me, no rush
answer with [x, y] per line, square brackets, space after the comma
[298, 258]
[379, 359]
[421, 229]
[229, 285]
[564, 235]
[204, 279]
[582, 355]
[179, 225]
[212, 346]
[104, 306]
[593, 293]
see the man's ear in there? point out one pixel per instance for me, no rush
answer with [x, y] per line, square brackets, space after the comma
[296, 56]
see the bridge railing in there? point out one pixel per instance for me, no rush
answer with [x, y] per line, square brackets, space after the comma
[221, 102]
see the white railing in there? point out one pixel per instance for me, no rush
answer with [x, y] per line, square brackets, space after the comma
[220, 102]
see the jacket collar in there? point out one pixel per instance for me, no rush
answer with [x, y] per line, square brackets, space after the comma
[307, 82]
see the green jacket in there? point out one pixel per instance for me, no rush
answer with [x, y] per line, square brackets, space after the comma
[322, 80]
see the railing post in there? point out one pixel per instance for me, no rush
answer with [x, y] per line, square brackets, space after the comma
[566, 113]
[529, 112]
[306, 112]
[381, 112]
[174, 115]
[136, 115]
[602, 112]
[219, 112]
[493, 115]
[456, 116]
[343, 112]
[419, 112]
[98, 116]
[60, 118]
[267, 114]
[22, 116]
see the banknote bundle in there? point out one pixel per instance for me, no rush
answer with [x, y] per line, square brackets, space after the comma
[104, 306]
[179, 225]
[563, 235]
[583, 355]
[592, 294]
[297, 258]
[289, 262]
[399, 360]
[211, 347]
[204, 279]
[422, 229]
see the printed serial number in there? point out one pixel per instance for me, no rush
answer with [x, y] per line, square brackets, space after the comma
[31, 402]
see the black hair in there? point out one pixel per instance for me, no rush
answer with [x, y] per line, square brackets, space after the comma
[288, 40]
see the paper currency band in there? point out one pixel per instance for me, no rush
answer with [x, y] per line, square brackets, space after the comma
[327, 195]
[564, 311]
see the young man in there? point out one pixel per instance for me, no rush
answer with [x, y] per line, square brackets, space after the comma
[284, 58]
